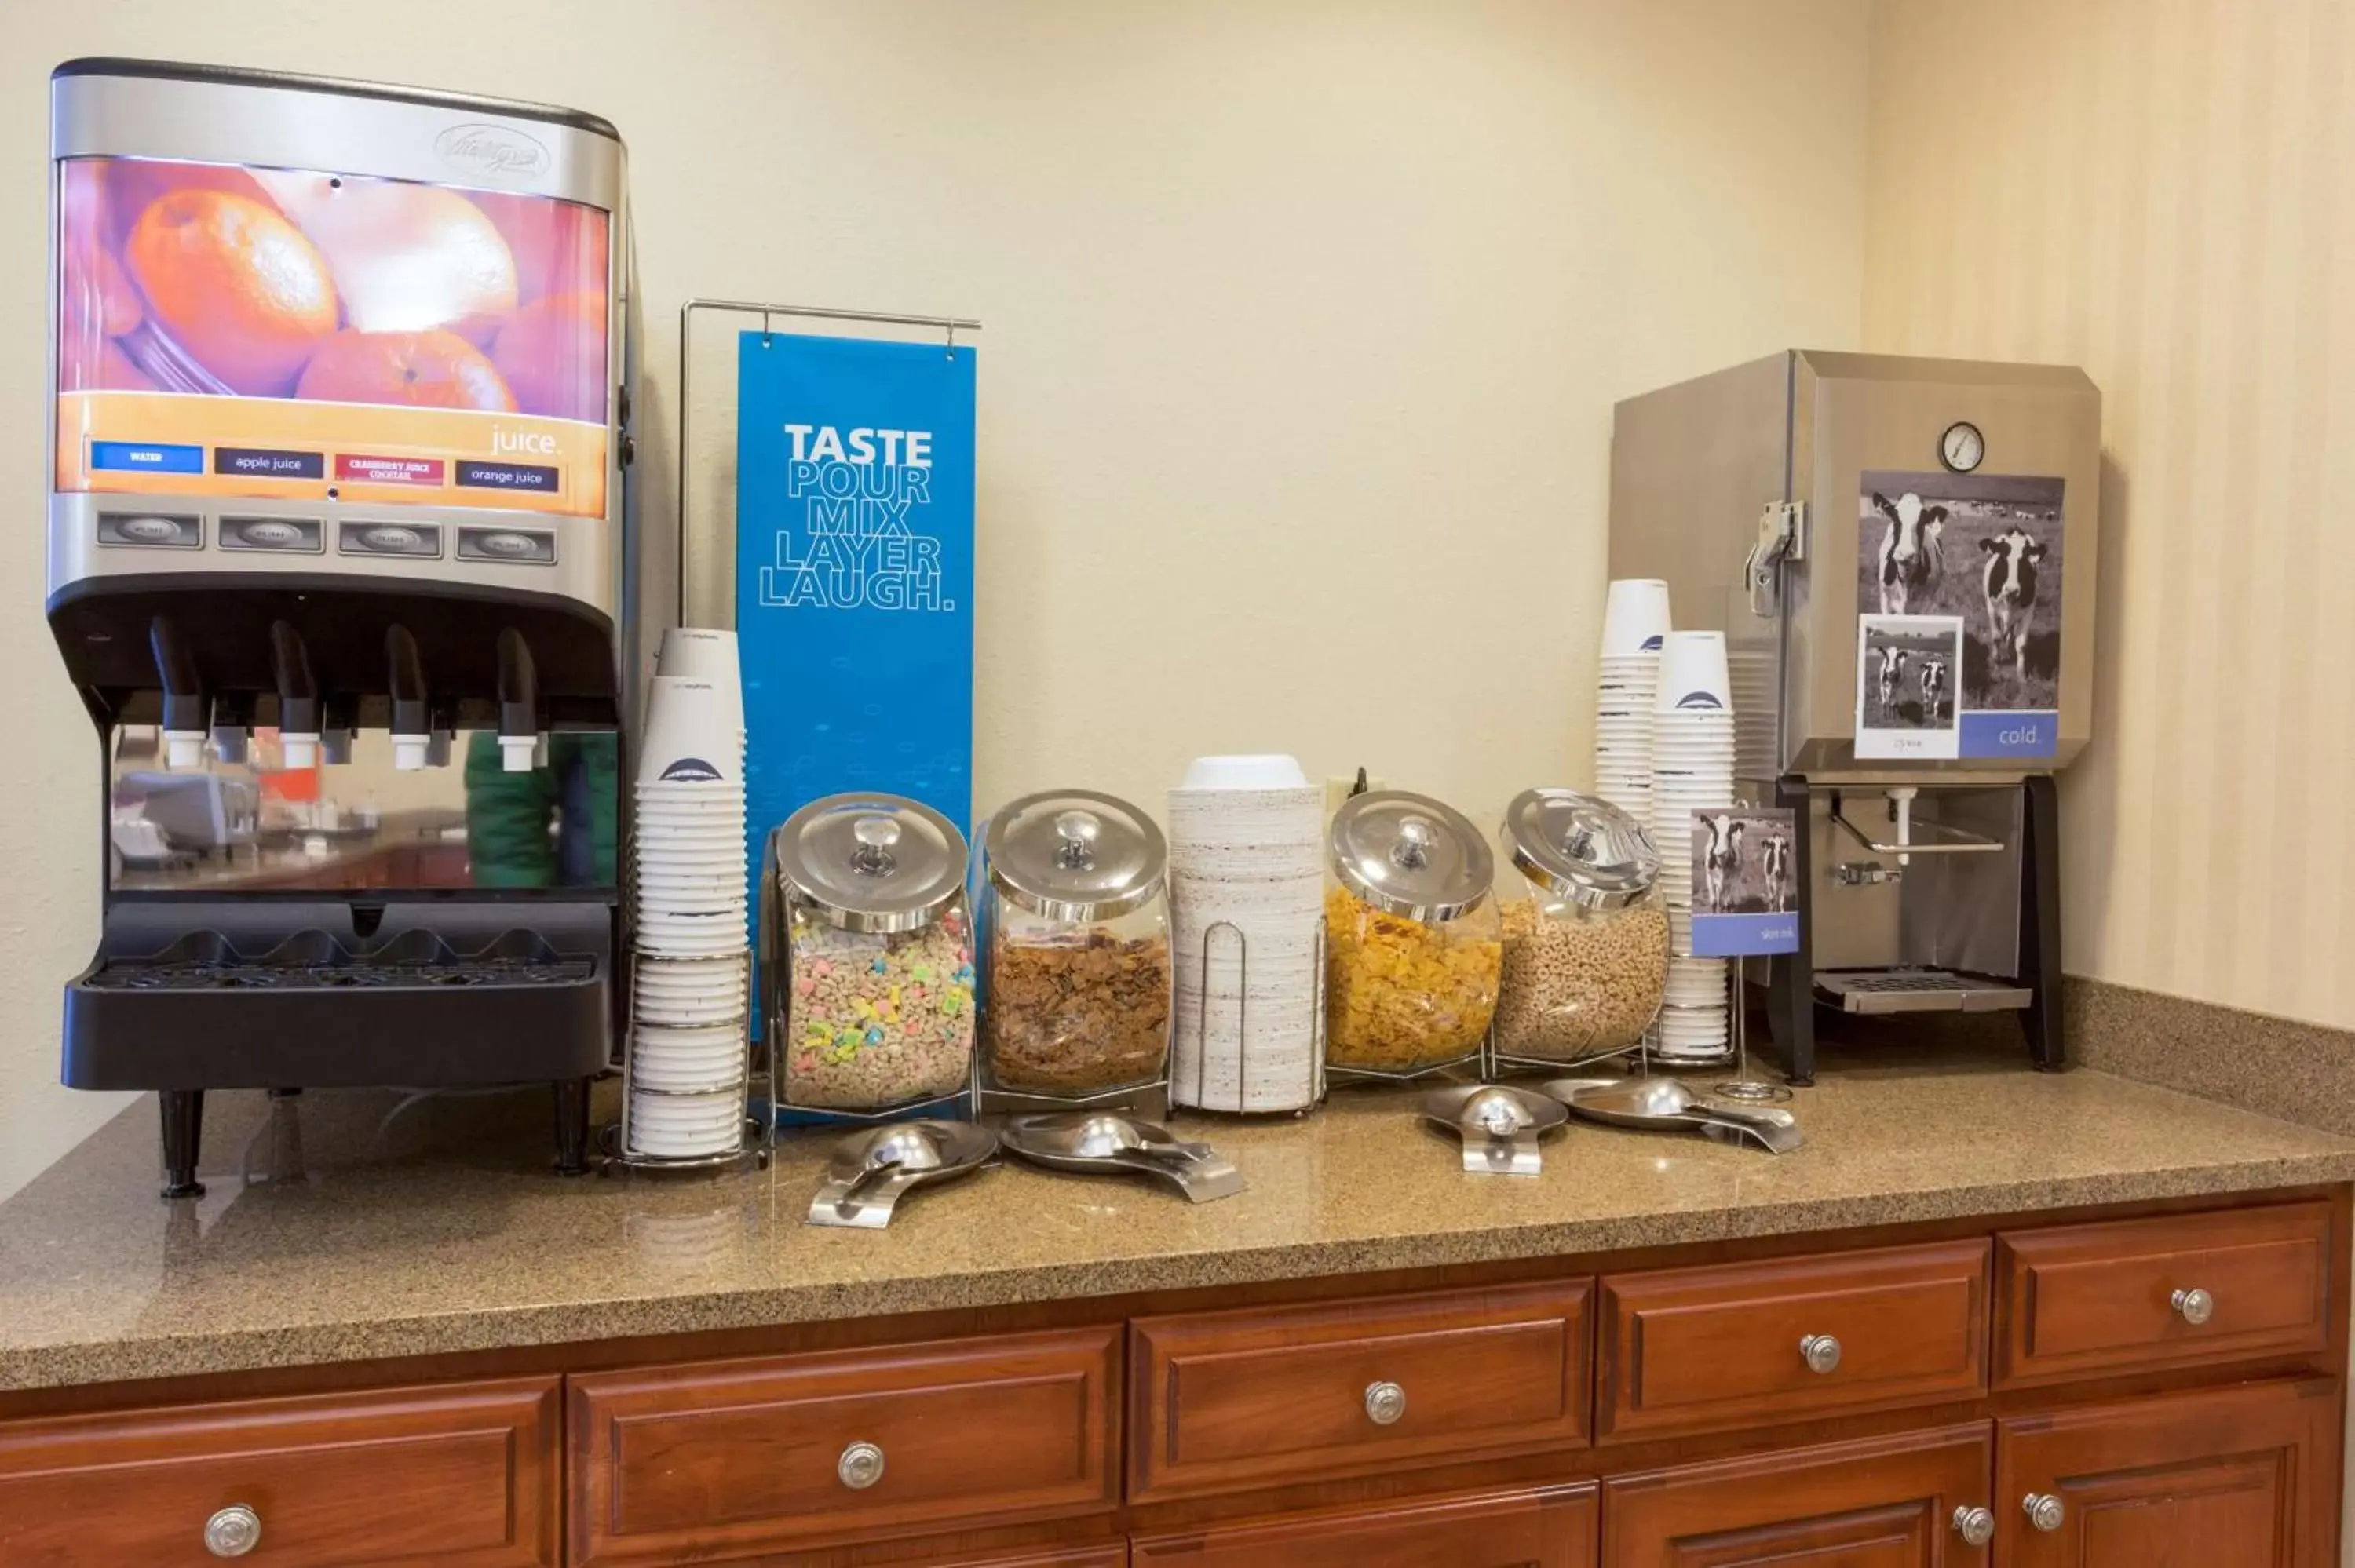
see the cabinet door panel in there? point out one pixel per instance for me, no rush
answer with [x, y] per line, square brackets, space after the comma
[1552, 1527]
[2239, 1477]
[1884, 1502]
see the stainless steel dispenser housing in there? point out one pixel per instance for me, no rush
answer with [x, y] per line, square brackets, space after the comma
[1746, 491]
[399, 599]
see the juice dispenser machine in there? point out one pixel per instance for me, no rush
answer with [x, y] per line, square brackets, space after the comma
[1901, 553]
[339, 519]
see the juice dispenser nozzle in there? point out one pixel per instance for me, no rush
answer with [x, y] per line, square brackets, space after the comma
[298, 696]
[413, 718]
[188, 713]
[520, 745]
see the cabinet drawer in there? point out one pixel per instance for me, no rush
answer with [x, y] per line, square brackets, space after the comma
[2081, 1301]
[1692, 1350]
[454, 1476]
[733, 1457]
[1253, 1398]
[1882, 1503]
[1552, 1527]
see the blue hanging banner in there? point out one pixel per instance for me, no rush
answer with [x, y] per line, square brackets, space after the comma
[854, 572]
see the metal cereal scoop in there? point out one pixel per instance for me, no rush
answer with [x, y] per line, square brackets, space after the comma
[1499, 1126]
[869, 1170]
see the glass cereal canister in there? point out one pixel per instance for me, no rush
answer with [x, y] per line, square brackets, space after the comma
[1412, 947]
[876, 1001]
[1075, 948]
[1586, 929]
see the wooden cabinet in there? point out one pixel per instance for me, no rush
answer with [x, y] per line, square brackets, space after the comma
[2238, 1477]
[1261, 1396]
[1886, 1502]
[1477, 1422]
[705, 1461]
[1551, 1527]
[2187, 1289]
[454, 1475]
[1693, 1350]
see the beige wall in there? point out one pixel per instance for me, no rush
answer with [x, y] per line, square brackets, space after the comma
[1304, 322]
[2159, 190]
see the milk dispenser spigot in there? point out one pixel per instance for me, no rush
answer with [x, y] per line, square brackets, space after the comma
[340, 533]
[1902, 553]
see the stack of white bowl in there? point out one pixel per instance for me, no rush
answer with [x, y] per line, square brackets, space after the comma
[690, 994]
[1692, 771]
[1634, 622]
[1247, 905]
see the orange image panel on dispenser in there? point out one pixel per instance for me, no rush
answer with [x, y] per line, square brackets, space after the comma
[221, 315]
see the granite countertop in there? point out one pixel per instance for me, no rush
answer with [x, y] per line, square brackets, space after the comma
[355, 1226]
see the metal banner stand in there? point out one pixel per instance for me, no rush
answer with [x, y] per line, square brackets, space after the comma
[764, 1018]
[948, 326]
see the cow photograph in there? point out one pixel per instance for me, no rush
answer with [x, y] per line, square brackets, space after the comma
[1986, 549]
[1742, 863]
[1906, 685]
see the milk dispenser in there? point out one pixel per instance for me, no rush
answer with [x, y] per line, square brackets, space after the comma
[1900, 552]
[338, 534]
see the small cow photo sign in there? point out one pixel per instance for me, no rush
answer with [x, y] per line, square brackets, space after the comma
[1985, 552]
[1744, 893]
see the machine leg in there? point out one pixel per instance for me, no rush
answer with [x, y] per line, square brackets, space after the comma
[184, 1127]
[2039, 921]
[572, 1126]
[1791, 977]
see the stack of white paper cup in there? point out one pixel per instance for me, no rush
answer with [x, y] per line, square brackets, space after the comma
[1247, 905]
[1635, 623]
[691, 983]
[1692, 771]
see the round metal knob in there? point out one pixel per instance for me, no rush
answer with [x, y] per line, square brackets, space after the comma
[861, 1466]
[1385, 1403]
[2043, 1510]
[1821, 1352]
[1975, 1525]
[2196, 1307]
[233, 1531]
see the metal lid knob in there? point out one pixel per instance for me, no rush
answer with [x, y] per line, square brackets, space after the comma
[2044, 1510]
[1077, 831]
[861, 1466]
[1821, 1352]
[1975, 1525]
[876, 835]
[1385, 1403]
[2195, 1306]
[233, 1531]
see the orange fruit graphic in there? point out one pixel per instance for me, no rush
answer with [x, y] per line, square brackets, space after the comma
[118, 303]
[235, 284]
[558, 248]
[552, 352]
[405, 258]
[407, 369]
[132, 184]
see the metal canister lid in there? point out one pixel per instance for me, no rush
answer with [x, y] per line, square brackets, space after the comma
[872, 862]
[1409, 854]
[1586, 850]
[1074, 854]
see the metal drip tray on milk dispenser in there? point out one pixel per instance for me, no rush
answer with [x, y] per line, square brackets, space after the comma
[1918, 990]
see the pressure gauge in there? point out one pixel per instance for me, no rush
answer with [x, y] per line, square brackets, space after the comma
[1962, 448]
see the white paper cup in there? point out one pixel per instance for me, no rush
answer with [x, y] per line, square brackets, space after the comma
[694, 733]
[1635, 616]
[699, 653]
[1693, 674]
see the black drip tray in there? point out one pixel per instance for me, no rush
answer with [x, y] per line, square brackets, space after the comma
[314, 960]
